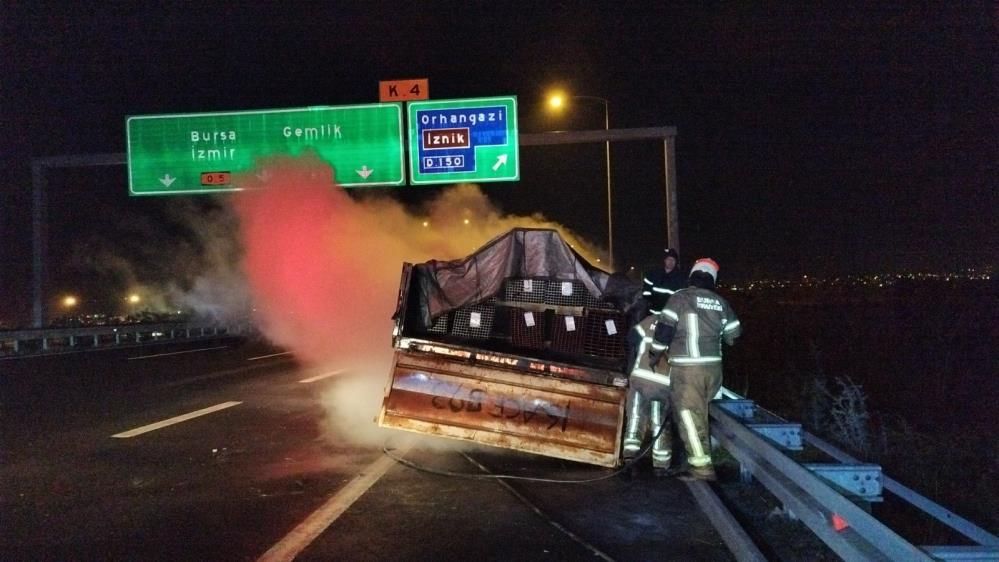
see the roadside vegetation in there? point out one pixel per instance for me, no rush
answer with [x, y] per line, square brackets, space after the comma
[905, 377]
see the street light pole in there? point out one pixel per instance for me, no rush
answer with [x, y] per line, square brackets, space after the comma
[610, 214]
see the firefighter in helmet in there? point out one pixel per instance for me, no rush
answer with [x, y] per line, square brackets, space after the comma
[693, 325]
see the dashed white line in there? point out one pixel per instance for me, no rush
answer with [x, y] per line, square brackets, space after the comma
[177, 352]
[271, 355]
[321, 377]
[301, 536]
[173, 420]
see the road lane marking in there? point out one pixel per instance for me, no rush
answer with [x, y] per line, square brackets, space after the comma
[271, 355]
[177, 352]
[322, 376]
[173, 420]
[302, 536]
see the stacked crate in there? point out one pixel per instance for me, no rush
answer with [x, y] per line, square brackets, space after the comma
[567, 334]
[440, 324]
[527, 328]
[604, 333]
[474, 321]
[565, 293]
[525, 290]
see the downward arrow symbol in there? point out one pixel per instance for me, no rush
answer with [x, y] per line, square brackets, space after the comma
[167, 180]
[500, 160]
[364, 172]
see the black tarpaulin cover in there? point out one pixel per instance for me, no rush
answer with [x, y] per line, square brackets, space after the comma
[520, 253]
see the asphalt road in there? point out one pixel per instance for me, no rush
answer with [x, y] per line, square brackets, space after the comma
[220, 450]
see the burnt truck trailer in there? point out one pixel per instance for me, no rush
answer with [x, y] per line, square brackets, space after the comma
[520, 345]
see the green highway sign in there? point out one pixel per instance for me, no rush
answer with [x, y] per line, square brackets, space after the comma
[200, 152]
[463, 140]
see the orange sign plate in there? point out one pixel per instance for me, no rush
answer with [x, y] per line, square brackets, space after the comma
[215, 178]
[404, 90]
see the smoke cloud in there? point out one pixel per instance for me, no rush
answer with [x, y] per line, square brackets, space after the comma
[323, 268]
[186, 258]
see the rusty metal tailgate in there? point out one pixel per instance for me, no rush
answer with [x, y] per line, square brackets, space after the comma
[575, 420]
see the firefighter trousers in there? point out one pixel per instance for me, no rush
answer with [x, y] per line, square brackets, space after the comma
[692, 388]
[647, 409]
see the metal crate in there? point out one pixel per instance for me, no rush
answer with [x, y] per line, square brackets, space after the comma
[474, 321]
[564, 339]
[555, 293]
[596, 337]
[523, 335]
[440, 324]
[516, 290]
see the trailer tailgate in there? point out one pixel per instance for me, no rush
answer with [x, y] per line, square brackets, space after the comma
[546, 415]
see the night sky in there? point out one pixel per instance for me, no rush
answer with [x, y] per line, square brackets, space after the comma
[812, 140]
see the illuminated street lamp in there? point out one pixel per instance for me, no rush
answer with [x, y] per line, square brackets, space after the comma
[69, 301]
[134, 298]
[557, 101]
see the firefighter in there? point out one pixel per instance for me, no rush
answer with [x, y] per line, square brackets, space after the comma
[648, 399]
[661, 282]
[693, 324]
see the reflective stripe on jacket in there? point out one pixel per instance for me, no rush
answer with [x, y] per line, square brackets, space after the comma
[658, 286]
[701, 320]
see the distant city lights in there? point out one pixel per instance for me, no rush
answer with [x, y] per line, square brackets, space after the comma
[879, 280]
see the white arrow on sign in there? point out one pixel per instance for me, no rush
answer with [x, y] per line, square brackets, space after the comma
[167, 180]
[500, 160]
[364, 172]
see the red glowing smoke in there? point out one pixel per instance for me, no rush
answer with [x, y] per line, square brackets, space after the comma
[313, 265]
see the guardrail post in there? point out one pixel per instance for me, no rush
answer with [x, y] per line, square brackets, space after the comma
[17, 346]
[97, 340]
[45, 343]
[72, 341]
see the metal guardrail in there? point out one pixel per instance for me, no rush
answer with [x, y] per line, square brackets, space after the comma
[63, 340]
[849, 530]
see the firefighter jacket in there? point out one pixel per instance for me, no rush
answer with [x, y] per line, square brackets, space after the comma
[647, 351]
[658, 285]
[697, 320]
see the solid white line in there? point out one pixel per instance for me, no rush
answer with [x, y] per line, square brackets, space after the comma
[302, 536]
[266, 356]
[322, 376]
[177, 352]
[732, 534]
[173, 420]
